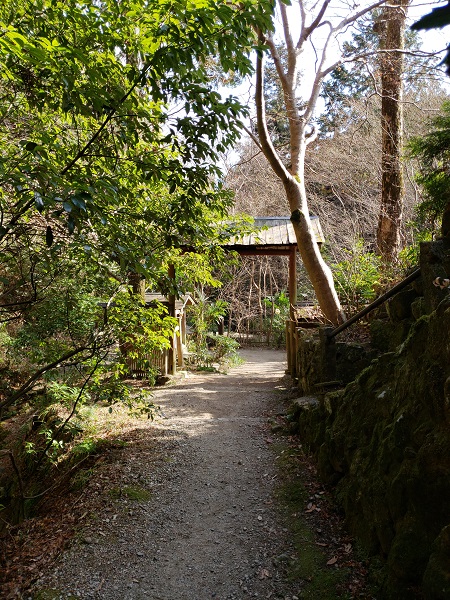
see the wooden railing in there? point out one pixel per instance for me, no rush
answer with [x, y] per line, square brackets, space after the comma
[292, 327]
[378, 302]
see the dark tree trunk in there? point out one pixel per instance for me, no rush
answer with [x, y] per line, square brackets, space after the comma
[137, 283]
[392, 188]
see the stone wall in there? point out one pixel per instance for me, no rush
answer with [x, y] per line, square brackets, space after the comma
[383, 441]
[324, 362]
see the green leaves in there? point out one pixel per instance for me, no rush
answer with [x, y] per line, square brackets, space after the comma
[94, 153]
[437, 18]
[433, 152]
[357, 277]
[76, 71]
[102, 176]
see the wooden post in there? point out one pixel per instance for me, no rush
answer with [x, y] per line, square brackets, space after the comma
[292, 281]
[172, 350]
[221, 326]
[165, 361]
[183, 327]
[291, 346]
[293, 349]
[179, 343]
[288, 347]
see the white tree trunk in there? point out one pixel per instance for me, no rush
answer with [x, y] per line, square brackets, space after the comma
[308, 20]
[318, 271]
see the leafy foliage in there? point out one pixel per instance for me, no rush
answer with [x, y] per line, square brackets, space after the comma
[110, 128]
[275, 325]
[204, 314]
[99, 141]
[206, 349]
[357, 277]
[224, 352]
[433, 152]
[110, 131]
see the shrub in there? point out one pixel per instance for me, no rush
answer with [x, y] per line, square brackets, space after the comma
[358, 277]
[275, 324]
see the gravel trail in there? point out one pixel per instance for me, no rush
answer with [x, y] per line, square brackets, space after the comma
[210, 529]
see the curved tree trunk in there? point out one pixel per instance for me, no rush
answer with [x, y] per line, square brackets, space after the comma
[308, 19]
[319, 273]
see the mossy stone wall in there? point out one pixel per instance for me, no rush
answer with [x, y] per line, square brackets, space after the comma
[384, 443]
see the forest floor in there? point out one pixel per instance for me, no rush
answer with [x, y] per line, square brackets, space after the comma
[212, 500]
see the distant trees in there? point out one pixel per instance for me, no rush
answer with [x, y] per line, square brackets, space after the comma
[300, 118]
[343, 165]
[352, 89]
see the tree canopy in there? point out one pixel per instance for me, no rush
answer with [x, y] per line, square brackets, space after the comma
[103, 100]
[434, 172]
[110, 128]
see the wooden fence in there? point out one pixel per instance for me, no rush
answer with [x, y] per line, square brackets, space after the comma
[292, 345]
[164, 362]
[157, 360]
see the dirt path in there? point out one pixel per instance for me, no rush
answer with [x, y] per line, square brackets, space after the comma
[210, 528]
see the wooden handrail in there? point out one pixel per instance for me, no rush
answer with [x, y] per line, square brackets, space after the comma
[362, 313]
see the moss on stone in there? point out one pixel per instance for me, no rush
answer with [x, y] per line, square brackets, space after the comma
[384, 442]
[436, 580]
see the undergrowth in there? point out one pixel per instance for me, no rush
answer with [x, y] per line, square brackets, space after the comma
[49, 445]
[326, 565]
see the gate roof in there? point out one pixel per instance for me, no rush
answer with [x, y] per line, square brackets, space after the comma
[275, 233]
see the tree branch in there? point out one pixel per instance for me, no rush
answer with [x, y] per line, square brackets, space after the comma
[356, 16]
[28, 384]
[253, 137]
[277, 62]
[307, 31]
[264, 138]
[312, 135]
[286, 28]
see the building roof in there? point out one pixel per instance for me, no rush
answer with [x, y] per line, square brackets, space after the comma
[180, 303]
[275, 231]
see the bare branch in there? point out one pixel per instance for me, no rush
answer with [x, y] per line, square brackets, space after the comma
[264, 138]
[248, 160]
[356, 16]
[312, 135]
[250, 133]
[277, 62]
[286, 28]
[359, 57]
[307, 31]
